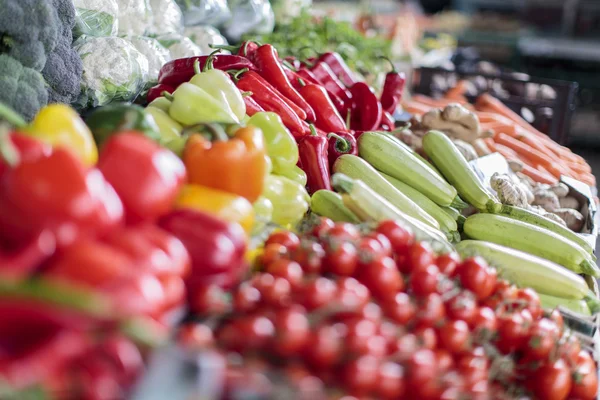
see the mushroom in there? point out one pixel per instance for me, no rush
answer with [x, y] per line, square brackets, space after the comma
[560, 190]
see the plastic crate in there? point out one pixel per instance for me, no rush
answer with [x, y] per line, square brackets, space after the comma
[522, 93]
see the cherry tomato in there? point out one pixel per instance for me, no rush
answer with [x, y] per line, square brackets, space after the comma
[196, 336]
[557, 317]
[292, 331]
[473, 368]
[476, 276]
[310, 257]
[286, 238]
[552, 381]
[341, 258]
[323, 227]
[317, 292]
[420, 255]
[250, 332]
[445, 359]
[246, 298]
[382, 278]
[427, 337]
[358, 331]
[386, 245]
[400, 238]
[352, 295]
[542, 339]
[454, 336]
[421, 374]
[208, 300]
[585, 378]
[124, 355]
[344, 231]
[484, 324]
[289, 270]
[531, 301]
[570, 348]
[405, 346]
[390, 332]
[390, 381]
[462, 307]
[512, 331]
[425, 280]
[274, 291]
[272, 253]
[430, 310]
[447, 263]
[360, 375]
[400, 309]
[325, 347]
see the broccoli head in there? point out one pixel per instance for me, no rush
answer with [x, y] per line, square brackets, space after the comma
[23, 88]
[29, 30]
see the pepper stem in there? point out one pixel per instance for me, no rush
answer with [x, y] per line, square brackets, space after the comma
[210, 61]
[230, 48]
[288, 65]
[212, 132]
[167, 96]
[348, 118]
[341, 144]
[11, 116]
[301, 82]
[236, 74]
[8, 152]
[247, 94]
[394, 70]
[342, 183]
[313, 130]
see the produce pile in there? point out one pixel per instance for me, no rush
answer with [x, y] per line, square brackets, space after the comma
[274, 203]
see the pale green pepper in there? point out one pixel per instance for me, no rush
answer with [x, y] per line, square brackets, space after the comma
[169, 129]
[290, 200]
[193, 105]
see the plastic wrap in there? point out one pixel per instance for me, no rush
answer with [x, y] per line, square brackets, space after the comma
[167, 17]
[96, 18]
[179, 46]
[113, 70]
[286, 10]
[203, 36]
[155, 53]
[248, 16]
[204, 12]
[135, 17]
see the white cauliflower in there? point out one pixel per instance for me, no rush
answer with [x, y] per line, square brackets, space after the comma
[167, 17]
[154, 52]
[113, 70]
[179, 46]
[135, 17]
[203, 36]
[96, 18]
[286, 10]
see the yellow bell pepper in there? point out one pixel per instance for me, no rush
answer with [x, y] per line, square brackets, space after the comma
[227, 206]
[60, 125]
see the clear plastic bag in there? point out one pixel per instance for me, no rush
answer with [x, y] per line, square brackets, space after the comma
[167, 17]
[179, 46]
[135, 17]
[248, 16]
[204, 12]
[96, 18]
[113, 70]
[155, 53]
[203, 36]
[286, 10]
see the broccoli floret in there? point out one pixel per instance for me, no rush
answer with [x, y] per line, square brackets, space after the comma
[29, 30]
[23, 89]
[64, 67]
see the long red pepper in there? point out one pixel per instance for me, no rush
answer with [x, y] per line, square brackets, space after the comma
[387, 122]
[392, 89]
[23, 262]
[252, 107]
[366, 108]
[339, 67]
[327, 78]
[176, 72]
[157, 91]
[314, 161]
[269, 99]
[309, 77]
[269, 66]
[341, 143]
[327, 117]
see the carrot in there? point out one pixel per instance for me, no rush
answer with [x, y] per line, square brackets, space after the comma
[416, 108]
[538, 176]
[438, 103]
[580, 168]
[490, 143]
[507, 152]
[458, 91]
[531, 153]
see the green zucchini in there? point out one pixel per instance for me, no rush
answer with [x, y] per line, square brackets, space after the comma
[577, 306]
[330, 204]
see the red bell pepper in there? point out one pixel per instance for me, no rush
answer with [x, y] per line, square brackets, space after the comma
[176, 72]
[392, 89]
[252, 106]
[21, 148]
[387, 122]
[23, 262]
[366, 108]
[327, 117]
[314, 161]
[270, 68]
[214, 246]
[57, 193]
[157, 91]
[341, 143]
[327, 78]
[146, 176]
[269, 99]
[339, 68]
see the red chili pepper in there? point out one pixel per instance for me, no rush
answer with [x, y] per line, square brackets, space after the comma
[366, 108]
[392, 89]
[314, 160]
[215, 246]
[157, 91]
[309, 77]
[56, 192]
[328, 79]
[269, 99]
[341, 143]
[294, 62]
[176, 72]
[339, 68]
[246, 49]
[387, 122]
[327, 117]
[269, 66]
[23, 262]
[252, 106]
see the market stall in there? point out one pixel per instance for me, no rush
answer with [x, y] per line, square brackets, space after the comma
[196, 204]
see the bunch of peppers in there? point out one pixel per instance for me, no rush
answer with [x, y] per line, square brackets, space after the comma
[319, 101]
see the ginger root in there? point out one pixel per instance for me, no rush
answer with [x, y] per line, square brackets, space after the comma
[569, 202]
[509, 192]
[466, 150]
[455, 120]
[545, 198]
[560, 190]
[573, 218]
[481, 148]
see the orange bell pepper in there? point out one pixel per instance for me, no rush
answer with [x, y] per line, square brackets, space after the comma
[235, 165]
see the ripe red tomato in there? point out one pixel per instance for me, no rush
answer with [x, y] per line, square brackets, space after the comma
[400, 309]
[289, 270]
[358, 330]
[352, 295]
[585, 378]
[286, 238]
[557, 317]
[272, 253]
[274, 291]
[382, 278]
[484, 324]
[512, 331]
[419, 255]
[390, 381]
[462, 307]
[421, 374]
[317, 292]
[292, 331]
[431, 310]
[552, 381]
[323, 227]
[344, 231]
[476, 276]
[405, 346]
[360, 375]
[249, 332]
[310, 256]
[447, 263]
[196, 336]
[531, 301]
[427, 337]
[425, 279]
[445, 359]
[246, 298]
[399, 237]
[341, 258]
[386, 245]
[208, 300]
[454, 336]
[542, 339]
[325, 347]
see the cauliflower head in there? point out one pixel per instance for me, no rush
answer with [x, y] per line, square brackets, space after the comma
[179, 46]
[96, 18]
[167, 17]
[135, 17]
[203, 36]
[113, 70]
[154, 52]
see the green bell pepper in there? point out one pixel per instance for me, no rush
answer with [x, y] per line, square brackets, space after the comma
[290, 200]
[193, 105]
[281, 146]
[218, 85]
[169, 129]
[161, 103]
[296, 174]
[108, 120]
